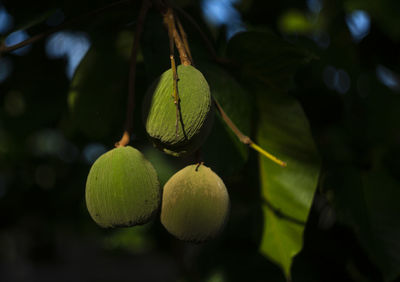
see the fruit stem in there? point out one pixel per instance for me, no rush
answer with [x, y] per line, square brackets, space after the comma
[245, 139]
[132, 75]
[169, 19]
[198, 165]
[268, 155]
[87, 16]
[175, 94]
[205, 38]
[184, 39]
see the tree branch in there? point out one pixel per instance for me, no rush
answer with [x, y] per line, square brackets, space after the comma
[175, 78]
[184, 39]
[169, 19]
[132, 75]
[87, 16]
[208, 43]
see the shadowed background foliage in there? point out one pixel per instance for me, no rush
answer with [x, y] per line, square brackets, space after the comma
[315, 82]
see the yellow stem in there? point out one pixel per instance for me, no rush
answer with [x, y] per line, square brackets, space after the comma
[268, 155]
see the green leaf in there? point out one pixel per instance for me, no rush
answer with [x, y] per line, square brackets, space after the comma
[288, 192]
[98, 89]
[134, 240]
[165, 165]
[368, 203]
[223, 151]
[265, 56]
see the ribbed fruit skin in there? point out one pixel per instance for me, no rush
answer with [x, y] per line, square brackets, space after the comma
[122, 189]
[197, 113]
[195, 204]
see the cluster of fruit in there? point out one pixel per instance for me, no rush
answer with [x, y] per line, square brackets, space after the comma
[122, 188]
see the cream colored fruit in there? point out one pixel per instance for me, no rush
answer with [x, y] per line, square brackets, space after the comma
[195, 204]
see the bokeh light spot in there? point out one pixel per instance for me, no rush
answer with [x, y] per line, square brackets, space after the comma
[222, 12]
[92, 151]
[15, 38]
[329, 77]
[336, 79]
[50, 142]
[71, 45]
[217, 276]
[342, 81]
[295, 22]
[124, 43]
[6, 67]
[322, 39]
[314, 6]
[388, 78]
[359, 24]
[6, 20]
[47, 142]
[218, 12]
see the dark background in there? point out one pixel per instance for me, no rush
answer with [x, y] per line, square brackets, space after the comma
[350, 92]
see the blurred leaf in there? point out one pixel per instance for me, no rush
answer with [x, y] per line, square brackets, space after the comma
[288, 192]
[135, 240]
[368, 203]
[155, 46]
[267, 57]
[124, 43]
[98, 89]
[381, 106]
[222, 150]
[36, 103]
[164, 164]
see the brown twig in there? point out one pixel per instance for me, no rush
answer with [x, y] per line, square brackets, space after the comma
[132, 75]
[87, 16]
[209, 45]
[174, 37]
[245, 139]
[184, 39]
[177, 100]
[175, 94]
[198, 165]
[198, 155]
[169, 19]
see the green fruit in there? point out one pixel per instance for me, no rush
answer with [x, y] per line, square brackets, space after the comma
[122, 189]
[196, 112]
[195, 204]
